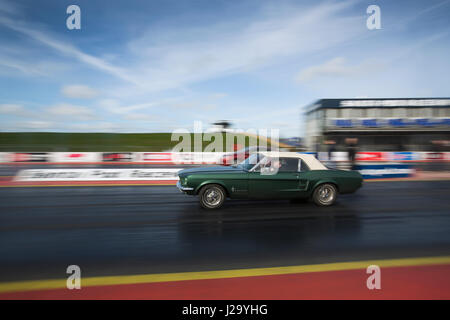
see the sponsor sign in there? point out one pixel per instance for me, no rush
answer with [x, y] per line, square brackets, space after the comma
[96, 174]
[155, 157]
[379, 171]
[4, 157]
[335, 156]
[180, 157]
[29, 157]
[197, 157]
[118, 156]
[395, 103]
[433, 156]
[396, 123]
[370, 156]
[402, 156]
[76, 157]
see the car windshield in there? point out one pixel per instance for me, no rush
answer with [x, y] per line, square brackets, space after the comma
[250, 162]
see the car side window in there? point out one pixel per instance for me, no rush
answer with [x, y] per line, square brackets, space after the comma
[302, 166]
[288, 165]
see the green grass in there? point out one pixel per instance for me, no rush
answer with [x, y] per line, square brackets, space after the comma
[101, 142]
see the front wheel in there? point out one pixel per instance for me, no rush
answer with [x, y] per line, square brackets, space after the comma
[212, 196]
[325, 194]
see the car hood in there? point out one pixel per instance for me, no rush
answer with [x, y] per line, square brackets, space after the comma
[206, 170]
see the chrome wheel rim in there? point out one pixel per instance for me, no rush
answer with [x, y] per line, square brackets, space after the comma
[326, 194]
[212, 197]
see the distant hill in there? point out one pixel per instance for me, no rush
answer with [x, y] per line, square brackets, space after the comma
[101, 142]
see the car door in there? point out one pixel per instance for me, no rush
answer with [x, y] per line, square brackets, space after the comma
[303, 180]
[282, 184]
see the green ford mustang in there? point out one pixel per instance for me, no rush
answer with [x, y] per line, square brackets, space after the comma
[269, 175]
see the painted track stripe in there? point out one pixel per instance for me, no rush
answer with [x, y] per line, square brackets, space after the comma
[414, 282]
[220, 274]
[406, 179]
[90, 183]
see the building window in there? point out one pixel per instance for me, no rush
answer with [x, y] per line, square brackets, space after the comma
[441, 112]
[426, 112]
[435, 112]
[420, 112]
[332, 113]
[399, 113]
[385, 113]
[372, 113]
[355, 113]
[319, 115]
[345, 113]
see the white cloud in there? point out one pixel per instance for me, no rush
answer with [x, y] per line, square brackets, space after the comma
[33, 125]
[13, 64]
[336, 67]
[192, 105]
[13, 109]
[114, 106]
[219, 95]
[69, 111]
[18, 65]
[79, 92]
[140, 117]
[93, 127]
[66, 49]
[241, 47]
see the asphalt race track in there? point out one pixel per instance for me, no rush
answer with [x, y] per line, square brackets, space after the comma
[156, 229]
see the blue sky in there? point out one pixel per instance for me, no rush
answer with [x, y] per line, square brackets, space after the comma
[154, 66]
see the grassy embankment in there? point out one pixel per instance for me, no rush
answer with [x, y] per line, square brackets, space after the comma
[101, 142]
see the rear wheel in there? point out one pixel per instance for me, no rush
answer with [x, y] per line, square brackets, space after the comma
[212, 196]
[325, 194]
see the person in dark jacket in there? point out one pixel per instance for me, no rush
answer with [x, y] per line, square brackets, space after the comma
[351, 150]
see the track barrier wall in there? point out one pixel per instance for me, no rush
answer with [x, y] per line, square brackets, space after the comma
[369, 164]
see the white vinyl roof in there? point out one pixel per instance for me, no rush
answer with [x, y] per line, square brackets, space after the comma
[309, 159]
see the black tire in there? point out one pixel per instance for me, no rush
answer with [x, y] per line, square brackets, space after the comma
[212, 196]
[325, 194]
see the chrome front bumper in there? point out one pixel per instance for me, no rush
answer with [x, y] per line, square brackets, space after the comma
[183, 189]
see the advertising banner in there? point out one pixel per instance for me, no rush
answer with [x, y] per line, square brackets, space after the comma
[402, 156]
[96, 174]
[119, 156]
[370, 156]
[380, 171]
[197, 157]
[4, 157]
[76, 157]
[155, 157]
[29, 157]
